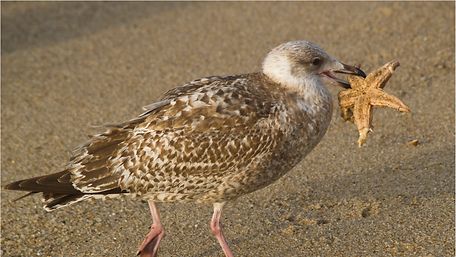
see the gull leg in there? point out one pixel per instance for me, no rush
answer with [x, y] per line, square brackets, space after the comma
[149, 247]
[217, 229]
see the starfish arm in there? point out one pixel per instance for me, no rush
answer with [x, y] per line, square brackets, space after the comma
[346, 114]
[347, 98]
[356, 82]
[380, 98]
[346, 102]
[362, 113]
[379, 77]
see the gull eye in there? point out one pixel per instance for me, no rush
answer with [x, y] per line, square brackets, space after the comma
[316, 61]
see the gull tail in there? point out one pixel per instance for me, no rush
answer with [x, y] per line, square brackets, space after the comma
[57, 189]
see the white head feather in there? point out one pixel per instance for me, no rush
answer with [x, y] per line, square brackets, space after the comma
[298, 65]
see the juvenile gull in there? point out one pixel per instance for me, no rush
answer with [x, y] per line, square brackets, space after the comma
[211, 140]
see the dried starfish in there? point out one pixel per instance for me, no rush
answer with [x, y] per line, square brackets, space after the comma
[356, 103]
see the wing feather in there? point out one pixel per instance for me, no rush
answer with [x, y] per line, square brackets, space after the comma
[203, 131]
[210, 129]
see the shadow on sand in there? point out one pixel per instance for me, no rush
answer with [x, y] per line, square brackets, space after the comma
[26, 25]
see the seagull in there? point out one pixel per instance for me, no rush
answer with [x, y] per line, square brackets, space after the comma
[211, 140]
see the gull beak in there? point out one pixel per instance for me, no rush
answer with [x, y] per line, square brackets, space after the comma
[344, 69]
[351, 70]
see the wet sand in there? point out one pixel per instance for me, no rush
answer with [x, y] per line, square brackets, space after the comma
[67, 66]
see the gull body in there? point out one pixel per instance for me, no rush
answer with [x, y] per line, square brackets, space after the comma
[211, 140]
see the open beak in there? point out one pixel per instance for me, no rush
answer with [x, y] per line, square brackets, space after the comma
[346, 69]
[352, 70]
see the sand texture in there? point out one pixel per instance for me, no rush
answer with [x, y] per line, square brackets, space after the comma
[67, 66]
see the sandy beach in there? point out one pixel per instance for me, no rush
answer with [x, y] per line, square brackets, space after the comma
[69, 66]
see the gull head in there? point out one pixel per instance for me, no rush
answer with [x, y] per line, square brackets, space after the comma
[294, 64]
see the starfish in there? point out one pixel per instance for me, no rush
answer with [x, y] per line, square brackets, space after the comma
[356, 103]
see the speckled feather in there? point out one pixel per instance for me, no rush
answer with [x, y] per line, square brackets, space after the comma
[213, 139]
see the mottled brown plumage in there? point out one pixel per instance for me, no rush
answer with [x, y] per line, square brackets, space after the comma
[211, 140]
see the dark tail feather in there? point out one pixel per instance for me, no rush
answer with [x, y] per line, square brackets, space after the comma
[28, 194]
[53, 183]
[54, 201]
[57, 189]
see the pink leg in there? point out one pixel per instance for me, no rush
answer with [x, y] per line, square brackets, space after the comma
[149, 247]
[217, 229]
